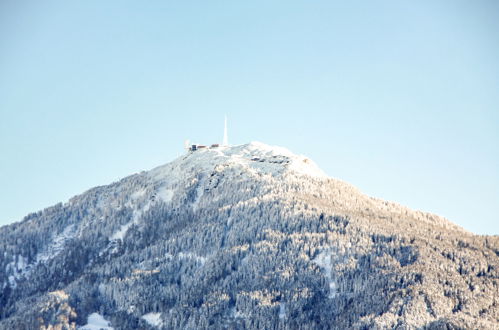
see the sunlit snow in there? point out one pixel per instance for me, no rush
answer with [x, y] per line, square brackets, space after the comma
[153, 319]
[166, 195]
[96, 321]
[323, 260]
[255, 156]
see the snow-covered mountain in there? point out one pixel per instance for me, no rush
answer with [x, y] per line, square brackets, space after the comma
[244, 237]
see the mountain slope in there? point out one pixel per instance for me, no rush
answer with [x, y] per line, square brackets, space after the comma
[239, 237]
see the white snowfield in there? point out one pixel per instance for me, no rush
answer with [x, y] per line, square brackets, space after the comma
[255, 157]
[96, 321]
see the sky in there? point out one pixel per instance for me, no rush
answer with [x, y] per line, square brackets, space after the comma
[399, 98]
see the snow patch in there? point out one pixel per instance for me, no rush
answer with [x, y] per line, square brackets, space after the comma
[192, 256]
[18, 267]
[12, 281]
[166, 195]
[199, 194]
[323, 260]
[138, 194]
[96, 321]
[120, 234]
[153, 319]
[280, 157]
[306, 166]
[57, 244]
[282, 311]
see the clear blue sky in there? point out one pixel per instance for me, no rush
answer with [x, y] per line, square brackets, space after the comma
[399, 98]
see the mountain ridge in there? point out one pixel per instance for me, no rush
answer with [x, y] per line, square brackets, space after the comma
[262, 219]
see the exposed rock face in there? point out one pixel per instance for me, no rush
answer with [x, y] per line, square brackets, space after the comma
[242, 237]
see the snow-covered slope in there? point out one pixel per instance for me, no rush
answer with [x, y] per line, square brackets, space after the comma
[248, 236]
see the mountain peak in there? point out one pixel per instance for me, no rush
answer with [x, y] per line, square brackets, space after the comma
[254, 158]
[249, 236]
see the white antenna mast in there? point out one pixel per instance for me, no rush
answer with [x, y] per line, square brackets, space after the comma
[226, 139]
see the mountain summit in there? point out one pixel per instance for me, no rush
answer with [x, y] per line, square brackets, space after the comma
[242, 237]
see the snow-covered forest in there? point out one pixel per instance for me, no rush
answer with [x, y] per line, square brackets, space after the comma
[244, 237]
